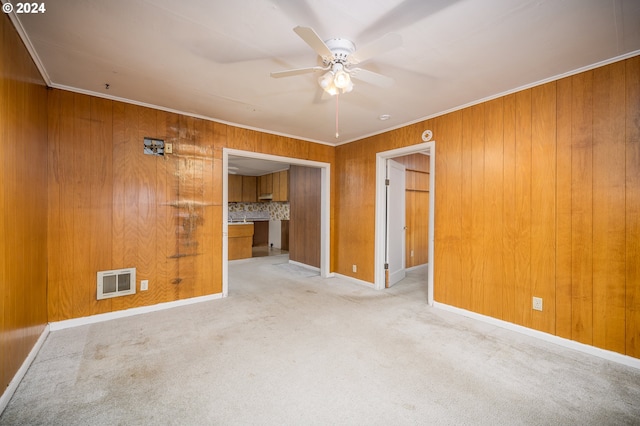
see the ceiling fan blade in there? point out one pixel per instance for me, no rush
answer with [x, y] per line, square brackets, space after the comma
[296, 71]
[312, 39]
[381, 45]
[372, 77]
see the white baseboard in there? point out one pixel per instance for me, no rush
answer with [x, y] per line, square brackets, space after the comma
[13, 385]
[571, 344]
[353, 280]
[77, 322]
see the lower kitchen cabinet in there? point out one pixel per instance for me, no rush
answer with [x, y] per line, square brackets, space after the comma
[261, 233]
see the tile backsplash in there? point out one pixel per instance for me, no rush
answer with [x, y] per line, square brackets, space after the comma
[277, 210]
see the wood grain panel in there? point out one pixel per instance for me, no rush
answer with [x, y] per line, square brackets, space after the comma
[609, 207]
[632, 207]
[54, 233]
[355, 211]
[159, 285]
[447, 192]
[131, 153]
[210, 223]
[304, 222]
[466, 222]
[409, 220]
[23, 203]
[509, 214]
[83, 298]
[146, 182]
[188, 193]
[101, 187]
[119, 156]
[65, 171]
[420, 231]
[493, 268]
[7, 366]
[582, 208]
[172, 242]
[563, 210]
[543, 219]
[475, 132]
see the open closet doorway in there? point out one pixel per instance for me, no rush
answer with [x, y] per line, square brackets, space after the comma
[324, 216]
[391, 256]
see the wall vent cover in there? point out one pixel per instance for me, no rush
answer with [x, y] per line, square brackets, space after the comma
[119, 282]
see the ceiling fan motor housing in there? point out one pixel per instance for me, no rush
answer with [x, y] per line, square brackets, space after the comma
[341, 49]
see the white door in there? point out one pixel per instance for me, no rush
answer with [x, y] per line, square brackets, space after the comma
[395, 256]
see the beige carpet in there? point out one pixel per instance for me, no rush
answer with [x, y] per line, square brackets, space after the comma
[290, 349]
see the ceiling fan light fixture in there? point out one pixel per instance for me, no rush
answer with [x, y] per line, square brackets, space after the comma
[349, 87]
[341, 79]
[332, 90]
[326, 80]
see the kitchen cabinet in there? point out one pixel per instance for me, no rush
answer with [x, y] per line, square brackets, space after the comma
[235, 188]
[265, 185]
[280, 185]
[240, 241]
[261, 233]
[249, 189]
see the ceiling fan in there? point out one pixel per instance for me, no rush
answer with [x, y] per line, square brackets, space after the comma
[339, 59]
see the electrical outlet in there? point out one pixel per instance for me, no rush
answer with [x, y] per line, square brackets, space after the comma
[355, 268]
[537, 303]
[168, 148]
[411, 253]
[144, 285]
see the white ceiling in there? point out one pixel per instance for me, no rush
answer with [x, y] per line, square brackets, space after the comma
[213, 58]
[254, 166]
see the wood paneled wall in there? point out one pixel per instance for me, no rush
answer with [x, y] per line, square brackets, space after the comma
[111, 206]
[23, 203]
[304, 225]
[537, 194]
[355, 198]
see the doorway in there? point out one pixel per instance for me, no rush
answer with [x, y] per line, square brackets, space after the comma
[325, 177]
[381, 213]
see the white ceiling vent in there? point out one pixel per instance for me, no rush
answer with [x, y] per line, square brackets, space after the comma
[119, 282]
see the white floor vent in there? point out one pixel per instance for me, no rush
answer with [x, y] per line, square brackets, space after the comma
[119, 282]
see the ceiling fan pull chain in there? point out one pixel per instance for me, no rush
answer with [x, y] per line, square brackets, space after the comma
[337, 128]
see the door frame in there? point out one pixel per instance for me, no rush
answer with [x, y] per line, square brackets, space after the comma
[325, 207]
[380, 227]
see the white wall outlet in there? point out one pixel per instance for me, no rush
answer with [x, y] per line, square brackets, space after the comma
[411, 253]
[168, 148]
[537, 303]
[355, 268]
[144, 285]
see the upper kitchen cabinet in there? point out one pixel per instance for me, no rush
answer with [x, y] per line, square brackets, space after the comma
[280, 184]
[249, 189]
[265, 187]
[235, 188]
